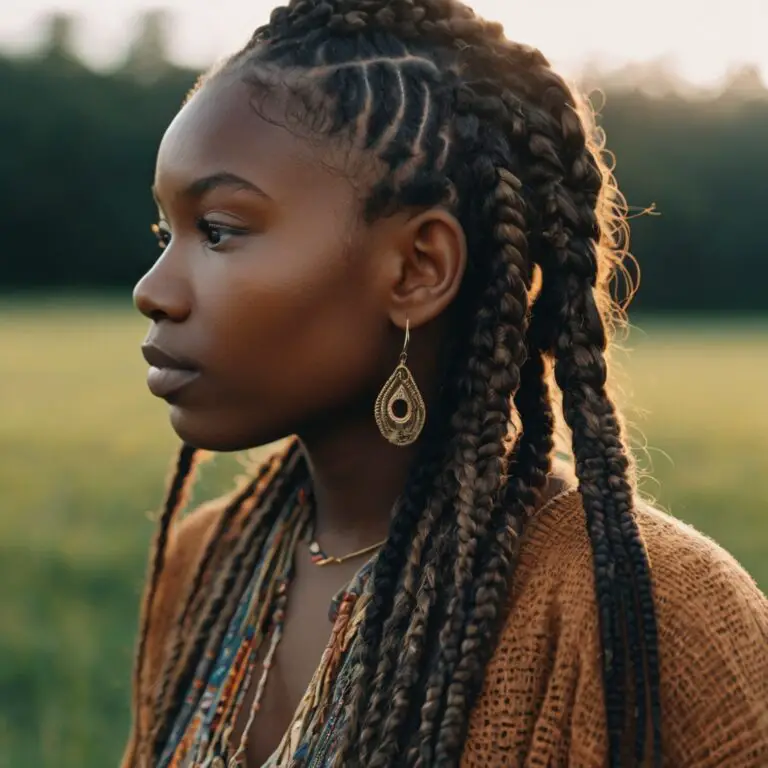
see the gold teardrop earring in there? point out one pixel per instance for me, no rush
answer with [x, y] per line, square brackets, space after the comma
[400, 411]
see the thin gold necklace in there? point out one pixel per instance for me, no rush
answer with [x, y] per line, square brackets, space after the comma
[319, 557]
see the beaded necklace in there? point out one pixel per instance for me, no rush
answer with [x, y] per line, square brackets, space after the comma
[200, 737]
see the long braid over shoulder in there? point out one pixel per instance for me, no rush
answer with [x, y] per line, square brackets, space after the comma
[445, 111]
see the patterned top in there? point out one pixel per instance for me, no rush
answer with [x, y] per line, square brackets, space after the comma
[201, 731]
[312, 739]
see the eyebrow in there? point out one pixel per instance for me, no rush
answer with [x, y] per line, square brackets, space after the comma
[206, 184]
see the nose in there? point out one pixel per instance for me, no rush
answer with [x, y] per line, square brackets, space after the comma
[163, 294]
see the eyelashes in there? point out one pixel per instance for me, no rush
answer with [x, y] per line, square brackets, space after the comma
[162, 234]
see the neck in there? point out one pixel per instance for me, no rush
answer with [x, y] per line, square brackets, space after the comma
[357, 477]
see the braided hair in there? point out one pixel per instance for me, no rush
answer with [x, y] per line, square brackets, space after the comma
[448, 112]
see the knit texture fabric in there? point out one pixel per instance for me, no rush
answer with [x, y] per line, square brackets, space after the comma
[542, 701]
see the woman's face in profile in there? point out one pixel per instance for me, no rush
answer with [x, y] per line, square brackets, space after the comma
[266, 286]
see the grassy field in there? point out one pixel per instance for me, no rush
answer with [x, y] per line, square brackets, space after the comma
[84, 453]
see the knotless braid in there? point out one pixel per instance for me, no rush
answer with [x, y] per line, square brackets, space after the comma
[250, 492]
[481, 454]
[479, 438]
[570, 266]
[448, 112]
[385, 577]
[235, 513]
[208, 627]
[175, 499]
[500, 521]
[482, 403]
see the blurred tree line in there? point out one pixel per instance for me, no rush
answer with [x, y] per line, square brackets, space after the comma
[77, 154]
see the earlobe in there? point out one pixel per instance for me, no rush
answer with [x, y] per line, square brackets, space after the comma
[433, 249]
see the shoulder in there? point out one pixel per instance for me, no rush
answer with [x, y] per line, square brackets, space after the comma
[690, 572]
[188, 538]
[712, 623]
[698, 583]
[187, 541]
[198, 535]
[713, 647]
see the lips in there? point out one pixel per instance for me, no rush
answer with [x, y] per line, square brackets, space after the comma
[167, 374]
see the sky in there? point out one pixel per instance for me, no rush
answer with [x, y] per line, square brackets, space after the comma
[700, 43]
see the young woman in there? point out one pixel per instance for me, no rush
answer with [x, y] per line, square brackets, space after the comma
[383, 225]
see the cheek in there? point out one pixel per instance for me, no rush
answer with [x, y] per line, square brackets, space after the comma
[296, 322]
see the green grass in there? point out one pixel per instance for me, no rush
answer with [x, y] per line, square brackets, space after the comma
[85, 451]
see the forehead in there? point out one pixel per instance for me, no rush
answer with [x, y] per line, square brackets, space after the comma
[224, 127]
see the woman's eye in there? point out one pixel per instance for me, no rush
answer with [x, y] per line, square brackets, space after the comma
[216, 235]
[163, 235]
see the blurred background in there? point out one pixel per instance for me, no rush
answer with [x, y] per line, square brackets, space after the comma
[86, 90]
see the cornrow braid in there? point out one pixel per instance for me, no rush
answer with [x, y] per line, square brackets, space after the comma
[534, 406]
[470, 433]
[411, 612]
[178, 486]
[502, 519]
[448, 112]
[496, 370]
[619, 522]
[622, 574]
[375, 661]
[411, 615]
[531, 455]
[382, 666]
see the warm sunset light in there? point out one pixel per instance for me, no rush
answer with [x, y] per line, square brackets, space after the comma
[496, 309]
[701, 43]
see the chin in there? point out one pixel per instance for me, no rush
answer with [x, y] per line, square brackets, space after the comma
[222, 433]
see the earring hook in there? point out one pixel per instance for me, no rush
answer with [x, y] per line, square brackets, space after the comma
[404, 353]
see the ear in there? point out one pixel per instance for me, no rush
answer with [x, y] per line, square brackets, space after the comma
[431, 259]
